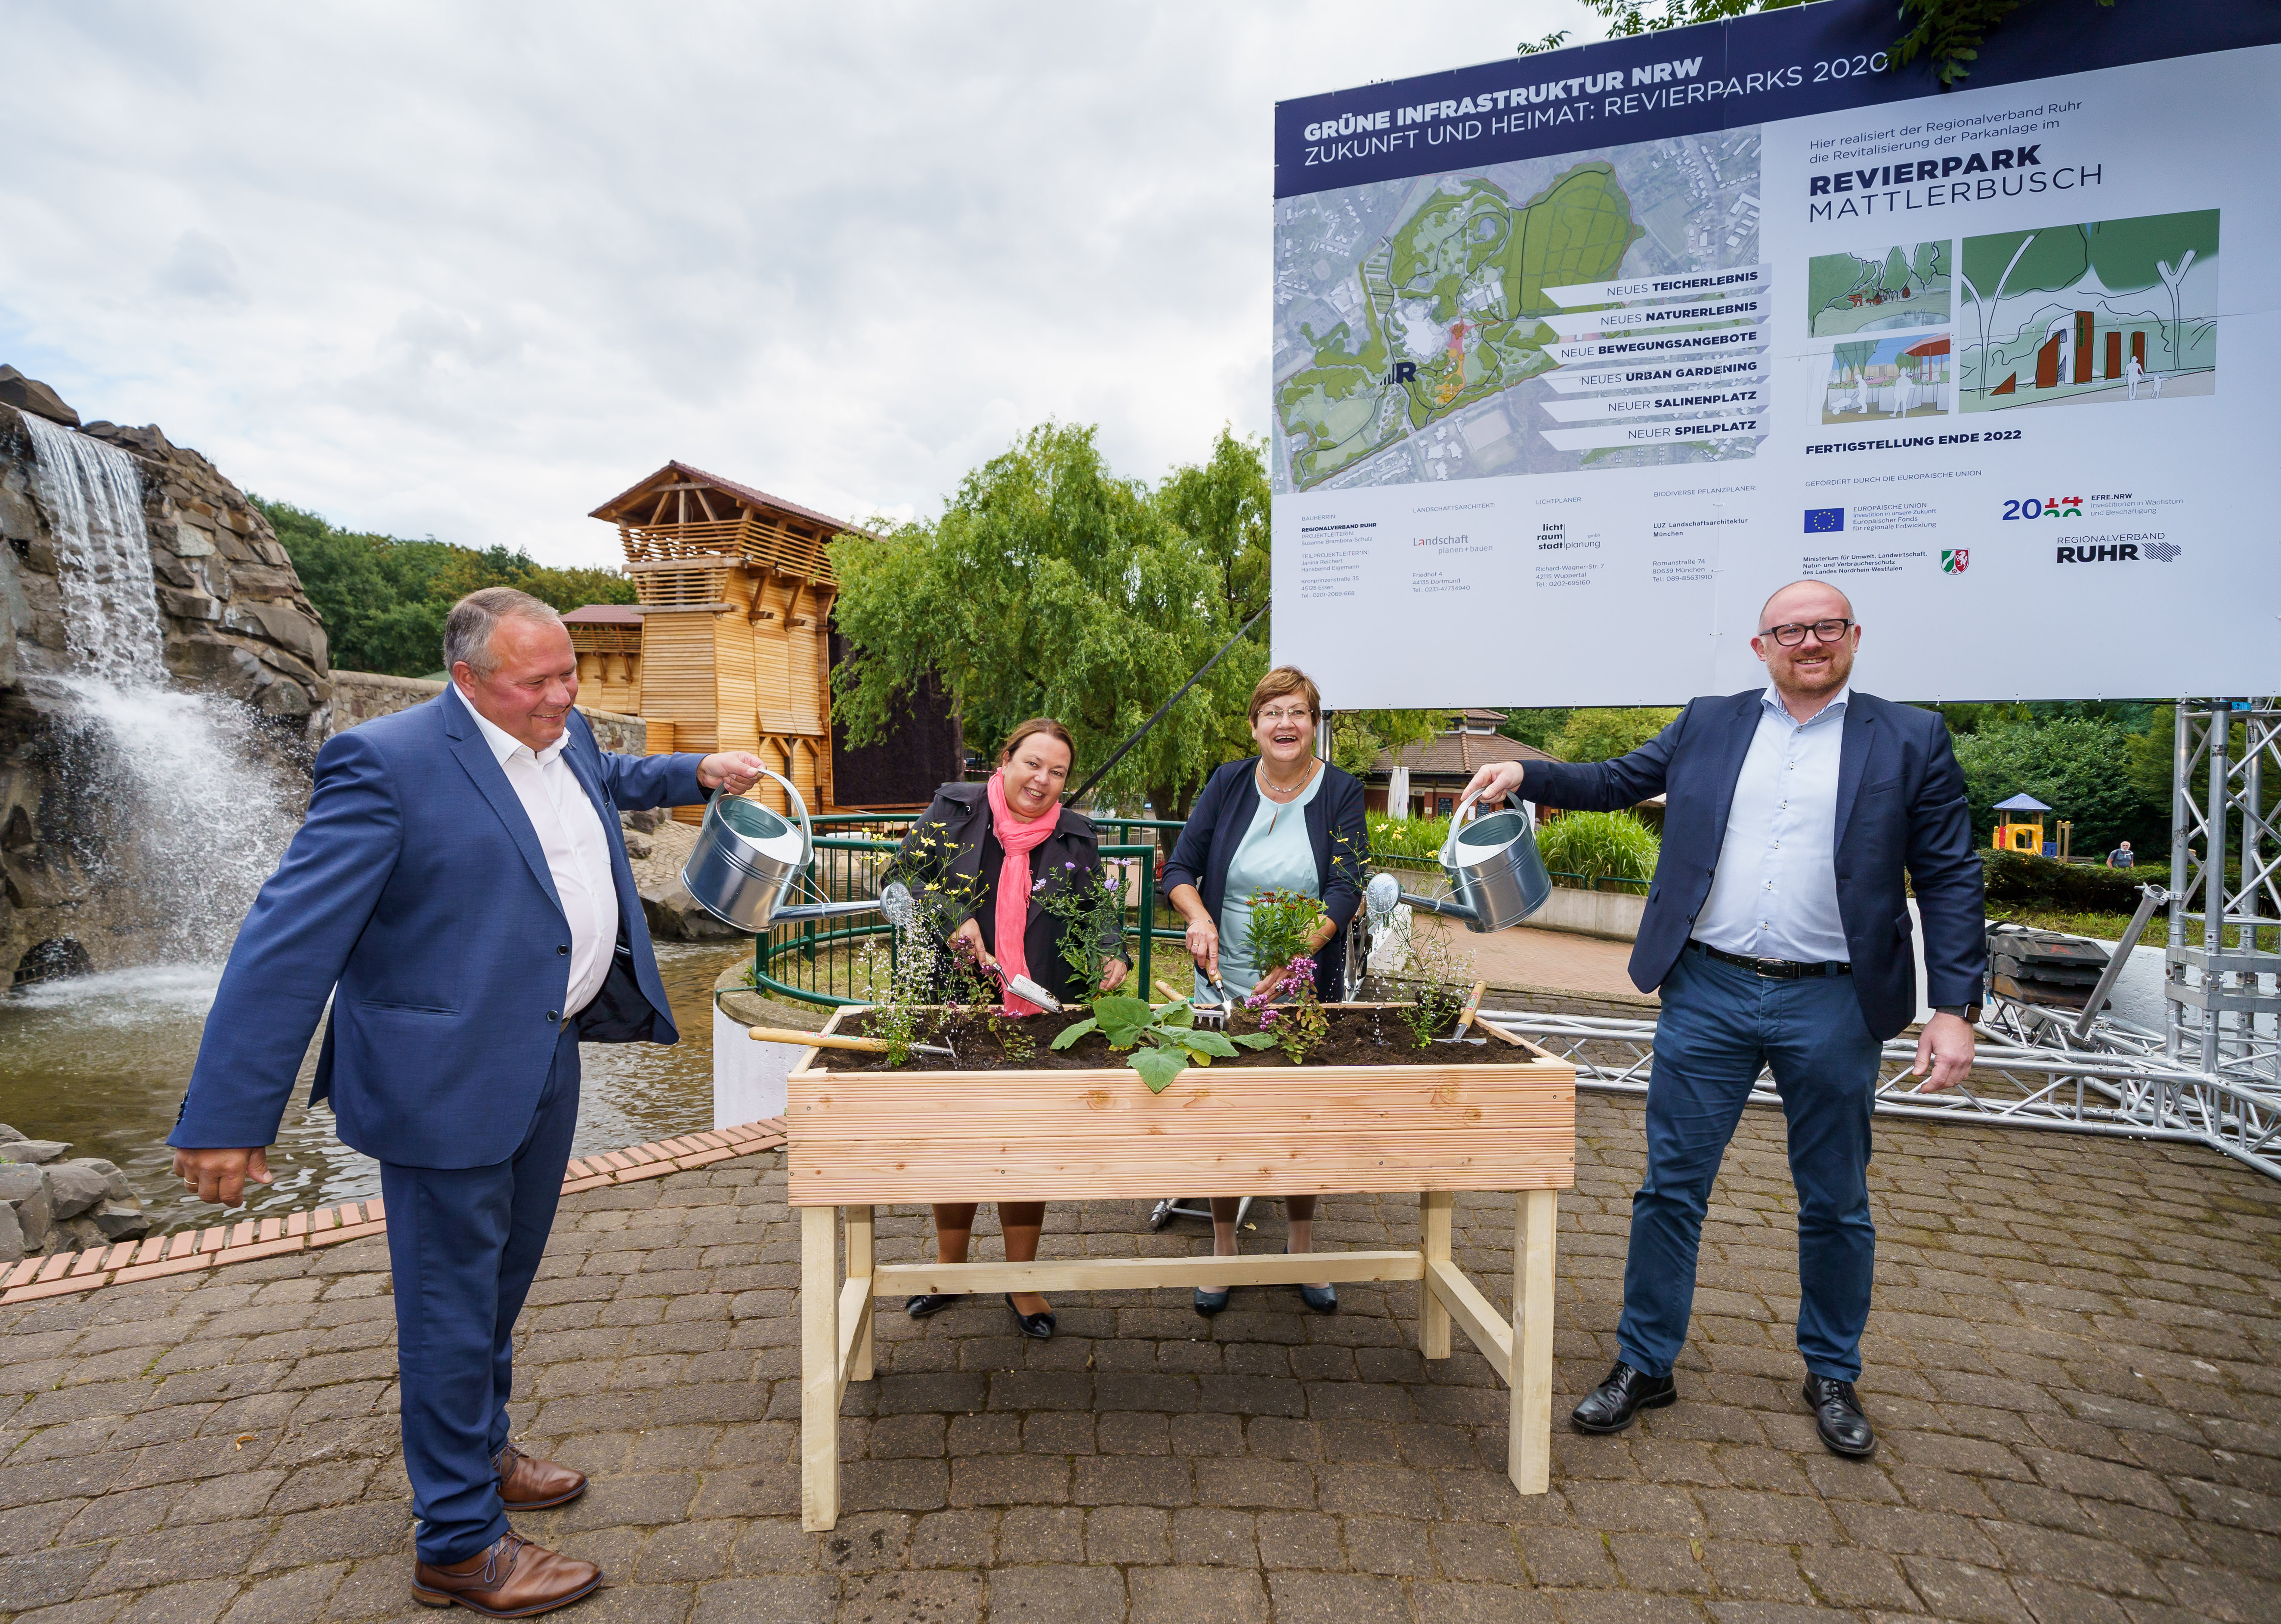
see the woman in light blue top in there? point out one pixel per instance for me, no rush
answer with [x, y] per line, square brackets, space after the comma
[1282, 820]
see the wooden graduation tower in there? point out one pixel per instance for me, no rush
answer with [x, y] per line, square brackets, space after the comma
[736, 593]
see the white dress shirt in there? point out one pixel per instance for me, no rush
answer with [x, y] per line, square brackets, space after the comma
[1773, 894]
[578, 850]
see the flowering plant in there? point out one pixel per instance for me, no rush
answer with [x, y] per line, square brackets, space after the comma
[1092, 916]
[1283, 925]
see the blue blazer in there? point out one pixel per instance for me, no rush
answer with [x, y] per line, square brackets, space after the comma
[1335, 824]
[417, 898]
[1900, 806]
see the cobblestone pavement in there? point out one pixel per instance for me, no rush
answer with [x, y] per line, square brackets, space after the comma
[2076, 1363]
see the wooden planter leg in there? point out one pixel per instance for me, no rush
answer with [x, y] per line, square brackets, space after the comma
[1434, 1241]
[819, 1367]
[1529, 1459]
[859, 1268]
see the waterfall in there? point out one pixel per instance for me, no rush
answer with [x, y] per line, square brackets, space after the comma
[178, 804]
[93, 498]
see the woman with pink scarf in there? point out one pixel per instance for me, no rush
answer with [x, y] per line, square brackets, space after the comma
[1010, 843]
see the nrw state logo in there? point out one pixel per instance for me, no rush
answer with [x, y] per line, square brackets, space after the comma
[1957, 562]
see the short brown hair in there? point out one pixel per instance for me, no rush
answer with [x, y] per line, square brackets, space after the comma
[1035, 725]
[469, 628]
[1280, 682]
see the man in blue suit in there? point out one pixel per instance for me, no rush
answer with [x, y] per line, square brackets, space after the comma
[1777, 933]
[460, 892]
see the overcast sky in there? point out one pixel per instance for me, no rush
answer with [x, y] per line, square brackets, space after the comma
[469, 270]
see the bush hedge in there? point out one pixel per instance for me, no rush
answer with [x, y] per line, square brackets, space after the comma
[2018, 877]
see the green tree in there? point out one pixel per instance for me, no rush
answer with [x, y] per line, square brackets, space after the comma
[1538, 727]
[1896, 279]
[1603, 735]
[1948, 34]
[1049, 586]
[2015, 262]
[384, 598]
[2079, 766]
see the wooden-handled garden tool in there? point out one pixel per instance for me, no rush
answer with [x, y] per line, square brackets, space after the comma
[1465, 1016]
[832, 1039]
[1206, 1014]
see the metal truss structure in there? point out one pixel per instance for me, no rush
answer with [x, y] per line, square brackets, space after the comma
[2223, 990]
[2021, 1078]
[2212, 1077]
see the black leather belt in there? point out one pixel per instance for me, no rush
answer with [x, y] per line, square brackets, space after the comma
[1774, 970]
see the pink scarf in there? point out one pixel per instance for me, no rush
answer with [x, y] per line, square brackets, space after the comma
[1013, 899]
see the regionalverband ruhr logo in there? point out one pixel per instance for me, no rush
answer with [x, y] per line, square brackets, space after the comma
[1824, 520]
[1956, 562]
[2119, 552]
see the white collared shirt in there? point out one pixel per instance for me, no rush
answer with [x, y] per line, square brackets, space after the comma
[1774, 893]
[578, 850]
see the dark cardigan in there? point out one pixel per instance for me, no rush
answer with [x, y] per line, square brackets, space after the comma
[1216, 826]
[960, 818]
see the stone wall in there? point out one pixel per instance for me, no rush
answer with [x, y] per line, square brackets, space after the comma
[359, 696]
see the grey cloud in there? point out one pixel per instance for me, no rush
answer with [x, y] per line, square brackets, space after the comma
[484, 265]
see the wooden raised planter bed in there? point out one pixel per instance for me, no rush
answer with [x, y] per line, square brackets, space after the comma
[859, 1139]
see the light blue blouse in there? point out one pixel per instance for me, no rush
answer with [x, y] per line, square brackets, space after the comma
[1275, 855]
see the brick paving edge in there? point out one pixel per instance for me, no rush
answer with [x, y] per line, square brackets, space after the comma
[244, 1240]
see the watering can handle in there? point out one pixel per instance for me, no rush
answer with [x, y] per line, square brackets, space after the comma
[791, 794]
[1457, 822]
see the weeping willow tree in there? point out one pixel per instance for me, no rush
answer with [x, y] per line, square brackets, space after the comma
[1946, 33]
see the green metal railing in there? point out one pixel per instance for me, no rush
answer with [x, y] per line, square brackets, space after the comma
[824, 961]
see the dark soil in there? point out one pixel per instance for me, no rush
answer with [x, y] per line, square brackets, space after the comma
[1357, 1037]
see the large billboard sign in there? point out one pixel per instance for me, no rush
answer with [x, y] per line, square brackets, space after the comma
[1579, 356]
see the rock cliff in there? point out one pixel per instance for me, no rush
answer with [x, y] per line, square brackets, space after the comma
[234, 623]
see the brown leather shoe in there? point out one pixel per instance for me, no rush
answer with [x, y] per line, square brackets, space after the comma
[528, 1485]
[514, 1579]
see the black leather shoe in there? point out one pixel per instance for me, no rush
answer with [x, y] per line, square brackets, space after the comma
[1039, 1325]
[1610, 1406]
[1837, 1417]
[933, 1302]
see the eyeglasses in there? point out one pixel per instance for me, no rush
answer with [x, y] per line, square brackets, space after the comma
[1794, 634]
[1272, 717]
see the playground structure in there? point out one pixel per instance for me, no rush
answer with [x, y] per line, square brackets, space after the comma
[2020, 833]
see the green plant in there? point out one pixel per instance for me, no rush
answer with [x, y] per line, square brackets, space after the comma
[1093, 921]
[1019, 1047]
[1601, 735]
[1173, 1042]
[1283, 925]
[1599, 845]
[1416, 838]
[2020, 877]
[1439, 976]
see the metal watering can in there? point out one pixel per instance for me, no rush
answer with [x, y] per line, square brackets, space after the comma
[1494, 869]
[747, 859]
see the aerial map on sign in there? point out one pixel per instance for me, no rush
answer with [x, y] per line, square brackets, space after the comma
[1411, 334]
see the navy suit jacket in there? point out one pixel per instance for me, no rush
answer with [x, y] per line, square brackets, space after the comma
[417, 898]
[1336, 826]
[1900, 806]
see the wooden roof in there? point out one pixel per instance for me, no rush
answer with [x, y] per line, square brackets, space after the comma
[1456, 755]
[639, 505]
[604, 614]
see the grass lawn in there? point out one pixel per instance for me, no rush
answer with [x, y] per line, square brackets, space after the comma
[2109, 927]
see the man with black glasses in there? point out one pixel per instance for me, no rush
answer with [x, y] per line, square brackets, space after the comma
[1777, 934]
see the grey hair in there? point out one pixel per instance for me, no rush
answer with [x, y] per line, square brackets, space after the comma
[468, 629]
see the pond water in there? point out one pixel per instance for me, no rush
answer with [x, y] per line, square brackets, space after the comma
[101, 1061]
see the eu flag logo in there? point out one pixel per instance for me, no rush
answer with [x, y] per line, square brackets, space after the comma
[1824, 520]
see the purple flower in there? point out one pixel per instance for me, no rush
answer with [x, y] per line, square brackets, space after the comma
[1302, 967]
[1270, 1019]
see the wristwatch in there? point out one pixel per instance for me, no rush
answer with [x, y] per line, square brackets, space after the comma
[1969, 1013]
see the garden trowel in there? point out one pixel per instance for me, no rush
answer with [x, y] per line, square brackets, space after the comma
[1465, 1016]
